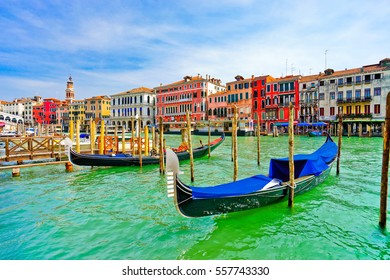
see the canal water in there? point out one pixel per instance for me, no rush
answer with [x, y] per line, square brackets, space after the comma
[113, 213]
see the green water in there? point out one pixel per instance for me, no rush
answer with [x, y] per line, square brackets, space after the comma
[124, 213]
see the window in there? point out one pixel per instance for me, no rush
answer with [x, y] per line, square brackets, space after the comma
[275, 87]
[358, 94]
[268, 88]
[332, 95]
[240, 96]
[357, 109]
[366, 109]
[340, 81]
[349, 80]
[377, 91]
[255, 93]
[292, 87]
[349, 110]
[228, 87]
[349, 94]
[246, 85]
[322, 112]
[340, 95]
[367, 78]
[367, 93]
[332, 81]
[332, 111]
[281, 88]
[246, 95]
[358, 79]
[281, 114]
[240, 86]
[377, 76]
[377, 109]
[321, 96]
[322, 83]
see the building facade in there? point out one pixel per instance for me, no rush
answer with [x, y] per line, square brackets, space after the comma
[46, 113]
[77, 111]
[359, 94]
[188, 94]
[138, 103]
[97, 108]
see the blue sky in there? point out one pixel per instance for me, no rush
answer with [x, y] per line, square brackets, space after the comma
[113, 46]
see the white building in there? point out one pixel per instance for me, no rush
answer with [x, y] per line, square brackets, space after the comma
[138, 103]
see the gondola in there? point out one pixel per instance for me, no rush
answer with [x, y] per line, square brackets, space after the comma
[252, 192]
[130, 160]
[314, 133]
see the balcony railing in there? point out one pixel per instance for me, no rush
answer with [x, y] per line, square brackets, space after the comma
[354, 100]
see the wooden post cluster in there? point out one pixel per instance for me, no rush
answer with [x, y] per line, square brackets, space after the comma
[123, 140]
[132, 136]
[385, 166]
[189, 139]
[291, 155]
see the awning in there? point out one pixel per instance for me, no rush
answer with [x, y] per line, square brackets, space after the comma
[2, 124]
[312, 124]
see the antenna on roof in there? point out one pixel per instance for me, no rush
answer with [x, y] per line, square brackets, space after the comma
[326, 52]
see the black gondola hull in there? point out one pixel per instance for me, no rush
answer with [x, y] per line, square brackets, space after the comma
[123, 160]
[190, 207]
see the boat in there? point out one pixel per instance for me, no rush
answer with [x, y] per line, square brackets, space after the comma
[315, 133]
[132, 160]
[252, 192]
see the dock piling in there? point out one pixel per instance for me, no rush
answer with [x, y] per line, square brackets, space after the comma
[235, 146]
[340, 134]
[189, 139]
[385, 166]
[209, 138]
[258, 139]
[161, 148]
[291, 155]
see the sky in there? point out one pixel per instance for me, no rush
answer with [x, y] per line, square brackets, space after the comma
[117, 45]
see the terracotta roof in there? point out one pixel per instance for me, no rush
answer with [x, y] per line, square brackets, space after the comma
[135, 90]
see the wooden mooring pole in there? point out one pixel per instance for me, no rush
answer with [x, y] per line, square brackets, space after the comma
[385, 166]
[78, 136]
[132, 136]
[340, 133]
[235, 146]
[209, 139]
[258, 139]
[161, 148]
[291, 155]
[189, 139]
[139, 142]
[123, 140]
[102, 142]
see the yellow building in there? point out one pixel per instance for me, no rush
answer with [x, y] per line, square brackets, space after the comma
[77, 111]
[97, 108]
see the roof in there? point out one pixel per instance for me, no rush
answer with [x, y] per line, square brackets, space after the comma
[135, 90]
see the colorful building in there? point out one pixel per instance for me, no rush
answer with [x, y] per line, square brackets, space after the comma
[259, 86]
[136, 103]
[97, 108]
[46, 113]
[359, 93]
[188, 94]
[77, 111]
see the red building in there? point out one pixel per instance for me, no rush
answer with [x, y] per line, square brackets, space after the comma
[47, 112]
[275, 106]
[259, 98]
[189, 94]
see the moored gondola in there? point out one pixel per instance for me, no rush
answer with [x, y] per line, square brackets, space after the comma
[252, 192]
[130, 160]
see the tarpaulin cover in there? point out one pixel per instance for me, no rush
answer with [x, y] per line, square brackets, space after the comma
[304, 164]
[240, 187]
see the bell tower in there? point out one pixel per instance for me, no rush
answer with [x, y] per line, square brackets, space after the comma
[69, 90]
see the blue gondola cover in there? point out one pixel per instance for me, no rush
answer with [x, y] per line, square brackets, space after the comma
[304, 164]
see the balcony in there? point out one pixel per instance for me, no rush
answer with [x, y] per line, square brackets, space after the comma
[353, 100]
